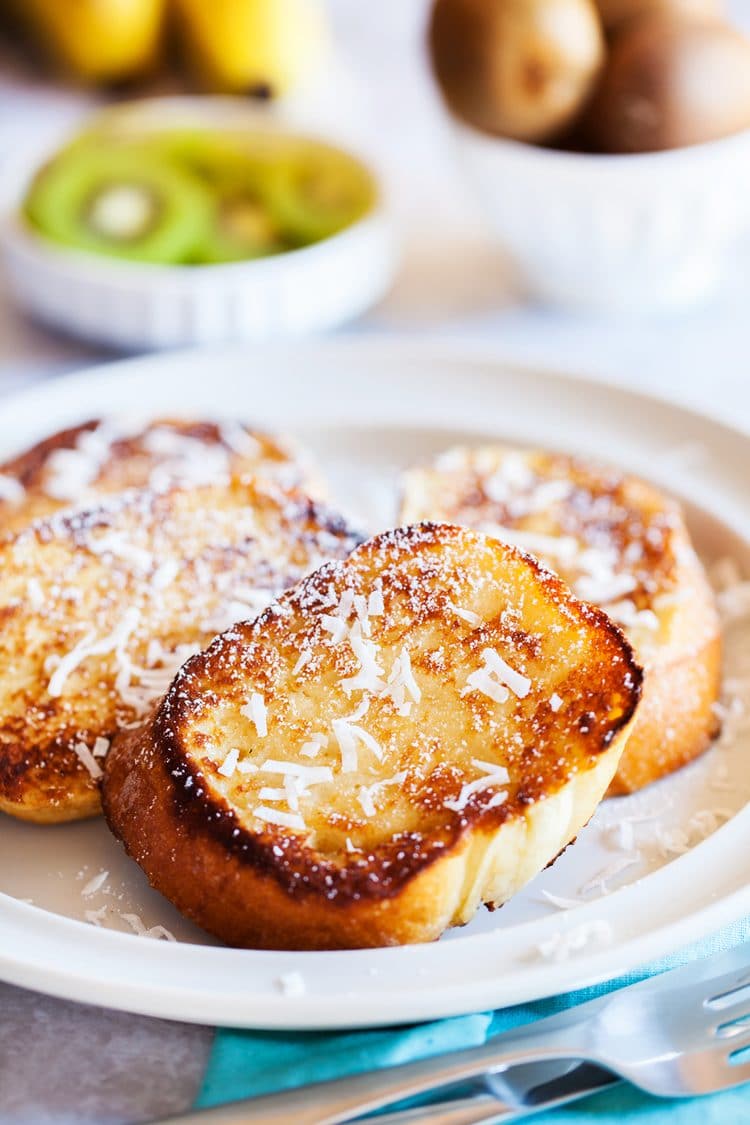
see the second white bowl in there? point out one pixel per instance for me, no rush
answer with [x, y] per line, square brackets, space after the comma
[612, 232]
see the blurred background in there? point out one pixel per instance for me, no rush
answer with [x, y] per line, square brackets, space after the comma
[521, 211]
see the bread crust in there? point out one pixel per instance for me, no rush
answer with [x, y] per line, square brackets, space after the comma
[104, 456]
[421, 865]
[141, 581]
[672, 620]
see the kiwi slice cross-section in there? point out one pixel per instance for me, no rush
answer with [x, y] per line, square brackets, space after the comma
[121, 201]
[317, 191]
[196, 197]
[243, 224]
[243, 227]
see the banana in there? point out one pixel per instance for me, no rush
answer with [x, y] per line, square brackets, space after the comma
[96, 40]
[262, 47]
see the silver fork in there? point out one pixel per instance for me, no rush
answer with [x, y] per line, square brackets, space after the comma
[674, 1035]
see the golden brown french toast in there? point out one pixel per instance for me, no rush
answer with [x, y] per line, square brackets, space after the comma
[401, 736]
[98, 609]
[620, 544]
[102, 456]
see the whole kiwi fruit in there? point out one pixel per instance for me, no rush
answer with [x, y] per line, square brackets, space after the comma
[517, 68]
[671, 82]
[613, 12]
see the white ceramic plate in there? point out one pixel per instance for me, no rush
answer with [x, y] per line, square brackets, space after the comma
[651, 873]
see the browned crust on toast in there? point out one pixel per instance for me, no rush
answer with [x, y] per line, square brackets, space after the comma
[148, 578]
[676, 719]
[103, 456]
[421, 864]
[669, 615]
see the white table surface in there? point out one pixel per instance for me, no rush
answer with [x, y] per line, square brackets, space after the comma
[60, 1062]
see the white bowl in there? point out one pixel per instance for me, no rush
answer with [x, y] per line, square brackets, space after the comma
[136, 306]
[613, 232]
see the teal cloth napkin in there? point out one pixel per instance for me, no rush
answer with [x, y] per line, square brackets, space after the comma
[244, 1063]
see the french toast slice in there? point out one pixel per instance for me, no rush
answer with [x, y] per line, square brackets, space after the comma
[618, 542]
[99, 607]
[107, 455]
[401, 736]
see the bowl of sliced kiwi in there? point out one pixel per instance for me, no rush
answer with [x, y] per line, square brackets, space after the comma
[183, 221]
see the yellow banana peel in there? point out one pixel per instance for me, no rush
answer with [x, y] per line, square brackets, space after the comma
[262, 47]
[97, 40]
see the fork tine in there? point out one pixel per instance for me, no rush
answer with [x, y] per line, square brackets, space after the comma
[732, 1028]
[727, 991]
[729, 1012]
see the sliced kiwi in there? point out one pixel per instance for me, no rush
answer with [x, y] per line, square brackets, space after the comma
[243, 227]
[121, 201]
[211, 156]
[317, 191]
[243, 224]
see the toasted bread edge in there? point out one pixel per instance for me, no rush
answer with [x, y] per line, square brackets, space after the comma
[247, 907]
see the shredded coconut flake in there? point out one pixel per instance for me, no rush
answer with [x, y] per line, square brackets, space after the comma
[495, 678]
[165, 574]
[304, 658]
[626, 613]
[401, 682]
[312, 748]
[359, 712]
[34, 593]
[101, 747]
[237, 438]
[347, 735]
[138, 926]
[272, 793]
[561, 945]
[95, 884]
[494, 775]
[467, 615]
[601, 881]
[605, 586]
[365, 799]
[88, 760]
[335, 626]
[275, 816]
[375, 603]
[91, 646]
[308, 775]
[560, 901]
[257, 712]
[347, 745]
[123, 549]
[153, 680]
[229, 765]
[292, 791]
[370, 671]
